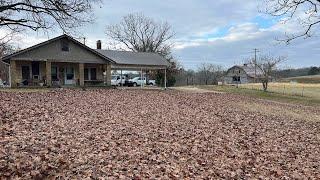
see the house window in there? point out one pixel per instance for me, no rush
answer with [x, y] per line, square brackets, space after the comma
[90, 74]
[54, 73]
[86, 74]
[93, 74]
[25, 72]
[236, 78]
[35, 70]
[70, 73]
[64, 45]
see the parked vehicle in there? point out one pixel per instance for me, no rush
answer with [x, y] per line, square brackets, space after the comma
[137, 81]
[116, 80]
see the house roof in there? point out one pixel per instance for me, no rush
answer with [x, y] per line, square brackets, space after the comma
[134, 58]
[249, 69]
[117, 57]
[52, 40]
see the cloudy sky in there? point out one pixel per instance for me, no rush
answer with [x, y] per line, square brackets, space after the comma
[222, 32]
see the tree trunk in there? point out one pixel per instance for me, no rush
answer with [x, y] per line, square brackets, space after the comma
[265, 86]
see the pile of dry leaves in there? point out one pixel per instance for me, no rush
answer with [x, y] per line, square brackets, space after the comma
[149, 134]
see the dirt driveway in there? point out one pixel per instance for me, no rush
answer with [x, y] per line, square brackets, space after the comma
[136, 134]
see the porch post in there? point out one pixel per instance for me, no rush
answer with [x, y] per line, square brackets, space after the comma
[142, 81]
[13, 73]
[108, 74]
[48, 73]
[81, 74]
[165, 78]
[121, 79]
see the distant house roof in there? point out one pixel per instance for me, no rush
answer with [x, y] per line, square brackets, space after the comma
[134, 58]
[249, 69]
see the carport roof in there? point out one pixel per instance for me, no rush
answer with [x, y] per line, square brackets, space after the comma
[134, 58]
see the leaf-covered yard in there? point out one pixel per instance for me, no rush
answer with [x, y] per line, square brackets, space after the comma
[151, 134]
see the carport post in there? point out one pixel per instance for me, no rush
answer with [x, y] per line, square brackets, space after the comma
[121, 79]
[165, 78]
[141, 82]
[10, 75]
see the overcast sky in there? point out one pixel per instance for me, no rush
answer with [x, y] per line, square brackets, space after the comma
[221, 32]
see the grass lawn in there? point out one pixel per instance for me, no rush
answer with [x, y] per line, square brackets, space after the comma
[293, 92]
[293, 89]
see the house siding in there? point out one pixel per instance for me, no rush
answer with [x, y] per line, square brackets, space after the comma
[51, 54]
[16, 71]
[52, 51]
[236, 71]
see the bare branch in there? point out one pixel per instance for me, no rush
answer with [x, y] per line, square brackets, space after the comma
[141, 34]
[45, 14]
[303, 11]
[267, 65]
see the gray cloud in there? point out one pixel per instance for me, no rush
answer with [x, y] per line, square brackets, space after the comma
[198, 26]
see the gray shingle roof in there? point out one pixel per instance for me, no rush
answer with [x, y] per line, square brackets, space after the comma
[134, 58]
[251, 70]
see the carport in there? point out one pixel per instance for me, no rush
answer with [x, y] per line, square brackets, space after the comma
[136, 61]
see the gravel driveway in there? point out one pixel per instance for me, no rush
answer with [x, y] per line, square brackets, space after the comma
[135, 134]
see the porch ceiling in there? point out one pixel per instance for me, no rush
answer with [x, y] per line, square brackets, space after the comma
[59, 61]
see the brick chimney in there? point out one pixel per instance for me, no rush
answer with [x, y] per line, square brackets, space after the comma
[99, 44]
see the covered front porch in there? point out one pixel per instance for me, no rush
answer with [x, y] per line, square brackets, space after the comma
[51, 73]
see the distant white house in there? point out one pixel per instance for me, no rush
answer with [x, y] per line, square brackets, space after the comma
[242, 74]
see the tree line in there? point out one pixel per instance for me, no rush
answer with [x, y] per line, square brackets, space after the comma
[211, 74]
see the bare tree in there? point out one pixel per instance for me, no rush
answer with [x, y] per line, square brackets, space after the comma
[45, 14]
[267, 66]
[190, 74]
[4, 50]
[139, 33]
[305, 12]
[209, 73]
[142, 34]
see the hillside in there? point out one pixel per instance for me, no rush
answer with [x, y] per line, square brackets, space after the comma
[303, 79]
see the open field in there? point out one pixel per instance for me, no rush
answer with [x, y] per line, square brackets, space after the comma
[304, 79]
[138, 134]
[294, 89]
[282, 92]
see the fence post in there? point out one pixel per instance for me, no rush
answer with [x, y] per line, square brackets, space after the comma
[302, 91]
[284, 89]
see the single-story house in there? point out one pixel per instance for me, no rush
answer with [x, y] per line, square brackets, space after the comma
[242, 74]
[64, 61]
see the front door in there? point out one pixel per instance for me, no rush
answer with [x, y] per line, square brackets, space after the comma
[69, 76]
